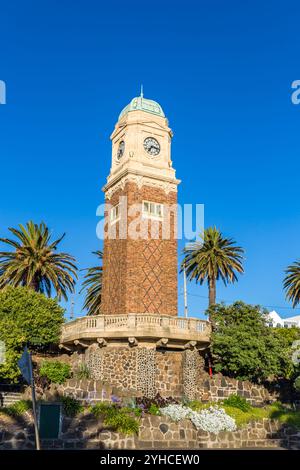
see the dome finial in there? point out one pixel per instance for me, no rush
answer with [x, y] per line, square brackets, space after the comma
[142, 91]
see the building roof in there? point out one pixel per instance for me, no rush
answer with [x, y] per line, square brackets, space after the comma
[142, 104]
[277, 318]
[295, 318]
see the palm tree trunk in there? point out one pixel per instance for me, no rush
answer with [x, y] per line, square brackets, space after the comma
[211, 301]
[211, 291]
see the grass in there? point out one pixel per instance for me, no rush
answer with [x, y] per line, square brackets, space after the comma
[17, 409]
[286, 416]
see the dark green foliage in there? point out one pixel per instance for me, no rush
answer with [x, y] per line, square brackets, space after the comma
[244, 347]
[55, 371]
[26, 317]
[71, 406]
[297, 384]
[159, 402]
[238, 402]
[116, 418]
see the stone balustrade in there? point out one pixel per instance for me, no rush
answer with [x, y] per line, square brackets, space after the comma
[164, 330]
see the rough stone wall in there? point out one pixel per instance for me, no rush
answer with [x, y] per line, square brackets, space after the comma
[114, 366]
[140, 275]
[218, 387]
[156, 432]
[193, 370]
[146, 371]
[169, 373]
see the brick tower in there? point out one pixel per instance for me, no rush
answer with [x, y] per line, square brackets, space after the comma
[140, 246]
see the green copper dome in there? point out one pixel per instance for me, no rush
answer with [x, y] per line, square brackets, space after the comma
[143, 104]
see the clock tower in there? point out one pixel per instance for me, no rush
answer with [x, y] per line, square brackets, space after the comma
[140, 244]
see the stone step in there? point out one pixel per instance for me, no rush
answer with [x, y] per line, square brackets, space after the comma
[9, 398]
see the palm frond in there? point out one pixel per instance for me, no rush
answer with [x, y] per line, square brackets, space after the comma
[291, 283]
[92, 285]
[35, 262]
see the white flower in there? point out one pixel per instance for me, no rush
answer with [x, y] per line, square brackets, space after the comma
[212, 419]
[176, 412]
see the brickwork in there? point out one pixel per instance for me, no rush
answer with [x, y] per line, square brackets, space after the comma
[140, 275]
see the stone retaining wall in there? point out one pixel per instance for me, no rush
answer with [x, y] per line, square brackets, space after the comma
[218, 387]
[137, 371]
[156, 432]
[207, 388]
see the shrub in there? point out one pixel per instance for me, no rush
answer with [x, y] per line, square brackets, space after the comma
[83, 372]
[101, 409]
[154, 409]
[18, 408]
[71, 406]
[297, 384]
[57, 372]
[135, 410]
[244, 347]
[145, 402]
[118, 419]
[26, 317]
[122, 422]
[237, 402]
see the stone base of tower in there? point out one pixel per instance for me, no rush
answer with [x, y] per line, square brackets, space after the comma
[146, 371]
[141, 355]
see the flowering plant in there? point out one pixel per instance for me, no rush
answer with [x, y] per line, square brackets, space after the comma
[212, 419]
[176, 412]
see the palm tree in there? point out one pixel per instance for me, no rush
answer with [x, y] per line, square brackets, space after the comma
[214, 258]
[93, 286]
[291, 283]
[34, 262]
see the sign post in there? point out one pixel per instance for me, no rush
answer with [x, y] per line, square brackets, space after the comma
[25, 364]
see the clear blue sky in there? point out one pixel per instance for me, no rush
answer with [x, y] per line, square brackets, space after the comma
[222, 71]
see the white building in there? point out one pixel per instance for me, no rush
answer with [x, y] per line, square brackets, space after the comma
[277, 321]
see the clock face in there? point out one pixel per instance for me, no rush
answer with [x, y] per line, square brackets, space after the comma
[121, 150]
[151, 146]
